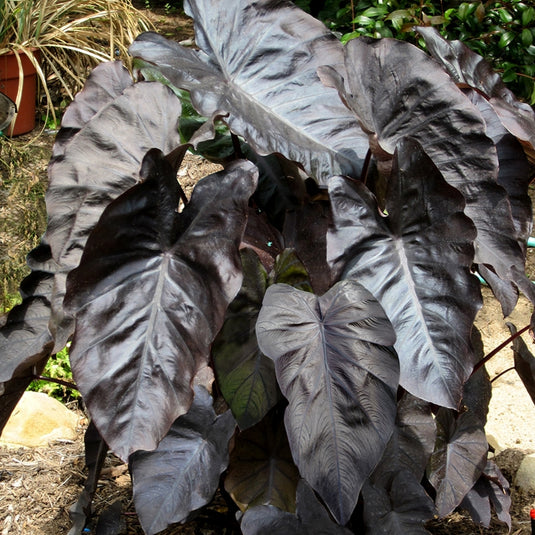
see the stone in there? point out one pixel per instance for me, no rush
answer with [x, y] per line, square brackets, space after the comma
[525, 477]
[37, 420]
[494, 444]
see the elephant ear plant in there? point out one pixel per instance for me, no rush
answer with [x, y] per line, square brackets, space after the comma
[298, 333]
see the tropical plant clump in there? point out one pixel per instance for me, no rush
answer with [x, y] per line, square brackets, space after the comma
[299, 331]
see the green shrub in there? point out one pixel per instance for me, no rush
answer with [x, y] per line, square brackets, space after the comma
[502, 32]
[57, 367]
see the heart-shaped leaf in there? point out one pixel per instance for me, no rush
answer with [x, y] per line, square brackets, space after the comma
[261, 470]
[491, 491]
[396, 91]
[149, 297]
[410, 260]
[333, 363]
[400, 508]
[182, 474]
[311, 517]
[82, 182]
[245, 376]
[268, 102]
[459, 458]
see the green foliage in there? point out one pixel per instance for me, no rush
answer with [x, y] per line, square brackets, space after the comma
[23, 217]
[9, 300]
[57, 367]
[502, 32]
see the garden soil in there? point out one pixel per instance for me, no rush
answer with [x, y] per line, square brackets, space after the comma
[37, 486]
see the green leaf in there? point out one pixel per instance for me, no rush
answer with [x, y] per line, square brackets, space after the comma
[464, 11]
[509, 76]
[376, 12]
[528, 16]
[505, 16]
[261, 469]
[363, 20]
[527, 37]
[506, 39]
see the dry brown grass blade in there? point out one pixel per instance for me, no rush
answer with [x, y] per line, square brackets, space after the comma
[69, 37]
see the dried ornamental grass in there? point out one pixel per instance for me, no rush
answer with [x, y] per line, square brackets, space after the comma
[63, 39]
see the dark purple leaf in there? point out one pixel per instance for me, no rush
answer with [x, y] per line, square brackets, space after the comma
[335, 367]
[467, 67]
[83, 181]
[396, 91]
[25, 338]
[416, 261]
[308, 225]
[477, 392]
[149, 297]
[416, 434]
[98, 164]
[459, 458]
[311, 518]
[490, 491]
[263, 238]
[504, 291]
[524, 362]
[261, 469]
[461, 450]
[105, 82]
[182, 474]
[400, 508]
[258, 64]
[269, 520]
[245, 376]
[280, 185]
[111, 521]
[514, 173]
[394, 501]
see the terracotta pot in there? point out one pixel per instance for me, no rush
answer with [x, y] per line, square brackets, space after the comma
[24, 120]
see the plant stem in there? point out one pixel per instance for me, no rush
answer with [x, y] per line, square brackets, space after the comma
[502, 373]
[484, 360]
[67, 384]
[236, 146]
[366, 166]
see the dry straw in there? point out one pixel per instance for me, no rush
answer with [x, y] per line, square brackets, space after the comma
[64, 39]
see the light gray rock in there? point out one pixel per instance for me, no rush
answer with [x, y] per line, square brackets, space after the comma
[525, 477]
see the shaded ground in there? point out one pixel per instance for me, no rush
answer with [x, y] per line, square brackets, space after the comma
[38, 486]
